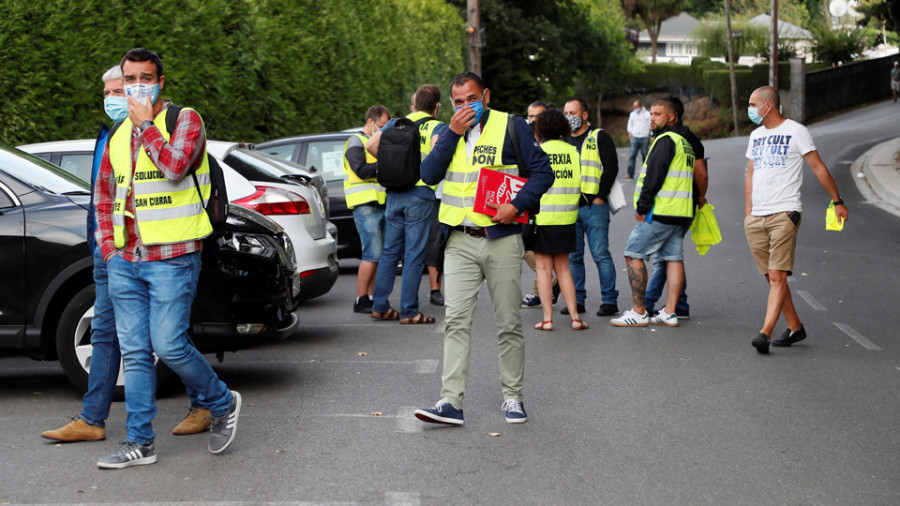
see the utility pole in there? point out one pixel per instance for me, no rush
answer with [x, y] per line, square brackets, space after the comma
[734, 108]
[473, 36]
[773, 54]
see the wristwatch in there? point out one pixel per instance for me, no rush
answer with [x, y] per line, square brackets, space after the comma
[146, 124]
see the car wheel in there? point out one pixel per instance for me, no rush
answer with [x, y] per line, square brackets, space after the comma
[74, 348]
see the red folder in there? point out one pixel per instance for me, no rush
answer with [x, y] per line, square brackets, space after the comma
[497, 188]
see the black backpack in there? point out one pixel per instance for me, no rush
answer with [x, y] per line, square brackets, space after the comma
[399, 154]
[217, 205]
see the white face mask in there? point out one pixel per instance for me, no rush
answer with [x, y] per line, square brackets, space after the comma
[141, 92]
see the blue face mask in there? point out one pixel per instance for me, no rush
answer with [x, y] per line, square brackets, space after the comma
[478, 107]
[116, 108]
[753, 112]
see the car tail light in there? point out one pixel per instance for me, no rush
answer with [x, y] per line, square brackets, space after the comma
[274, 201]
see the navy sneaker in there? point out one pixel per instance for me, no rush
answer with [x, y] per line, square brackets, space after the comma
[789, 338]
[761, 343]
[514, 411]
[436, 298]
[531, 300]
[442, 412]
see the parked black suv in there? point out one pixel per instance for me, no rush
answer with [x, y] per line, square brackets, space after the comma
[246, 294]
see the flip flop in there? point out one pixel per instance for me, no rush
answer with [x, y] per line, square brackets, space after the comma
[544, 325]
[581, 324]
[390, 314]
[419, 318]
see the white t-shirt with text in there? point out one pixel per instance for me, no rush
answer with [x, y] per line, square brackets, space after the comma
[777, 156]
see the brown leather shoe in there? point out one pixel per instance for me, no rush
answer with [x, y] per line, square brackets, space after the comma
[74, 431]
[196, 421]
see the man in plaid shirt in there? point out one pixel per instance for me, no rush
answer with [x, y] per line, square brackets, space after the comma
[151, 223]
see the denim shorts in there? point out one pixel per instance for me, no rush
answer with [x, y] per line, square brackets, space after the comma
[655, 238]
[370, 225]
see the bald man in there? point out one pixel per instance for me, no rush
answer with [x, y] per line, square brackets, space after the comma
[772, 208]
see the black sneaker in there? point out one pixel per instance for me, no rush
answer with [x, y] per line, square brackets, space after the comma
[608, 310]
[555, 292]
[580, 308]
[223, 428]
[442, 412]
[129, 454]
[531, 300]
[789, 338]
[761, 343]
[436, 298]
[363, 304]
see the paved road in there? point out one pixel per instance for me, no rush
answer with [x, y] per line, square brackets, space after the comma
[690, 415]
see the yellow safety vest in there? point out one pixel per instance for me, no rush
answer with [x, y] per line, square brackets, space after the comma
[559, 206]
[426, 130]
[167, 212]
[361, 191]
[461, 180]
[675, 198]
[591, 166]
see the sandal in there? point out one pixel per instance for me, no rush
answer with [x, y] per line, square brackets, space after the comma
[390, 314]
[419, 318]
[544, 325]
[581, 324]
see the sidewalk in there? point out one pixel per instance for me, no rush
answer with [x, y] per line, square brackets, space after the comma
[877, 175]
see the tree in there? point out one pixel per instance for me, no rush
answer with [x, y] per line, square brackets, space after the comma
[543, 50]
[652, 13]
[837, 46]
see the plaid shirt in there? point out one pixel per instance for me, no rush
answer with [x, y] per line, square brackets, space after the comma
[175, 159]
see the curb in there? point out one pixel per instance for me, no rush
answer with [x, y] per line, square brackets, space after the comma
[877, 176]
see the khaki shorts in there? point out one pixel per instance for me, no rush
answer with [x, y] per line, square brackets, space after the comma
[772, 240]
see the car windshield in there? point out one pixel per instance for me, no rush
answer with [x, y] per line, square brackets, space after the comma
[254, 167]
[40, 174]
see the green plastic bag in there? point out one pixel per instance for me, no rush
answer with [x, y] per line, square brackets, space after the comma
[705, 229]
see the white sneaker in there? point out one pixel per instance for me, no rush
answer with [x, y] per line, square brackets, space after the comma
[665, 319]
[631, 319]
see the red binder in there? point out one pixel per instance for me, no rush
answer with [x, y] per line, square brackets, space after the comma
[497, 188]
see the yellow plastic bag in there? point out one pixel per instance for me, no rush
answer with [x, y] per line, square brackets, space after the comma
[705, 229]
[832, 222]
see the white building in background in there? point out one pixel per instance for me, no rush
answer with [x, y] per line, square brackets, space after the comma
[676, 44]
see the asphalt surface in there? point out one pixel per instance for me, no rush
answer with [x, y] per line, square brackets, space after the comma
[687, 415]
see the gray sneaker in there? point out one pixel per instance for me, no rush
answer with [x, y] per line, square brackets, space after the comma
[129, 454]
[223, 428]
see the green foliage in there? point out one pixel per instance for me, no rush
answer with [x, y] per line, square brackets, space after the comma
[665, 76]
[714, 41]
[549, 50]
[652, 13]
[838, 46]
[254, 69]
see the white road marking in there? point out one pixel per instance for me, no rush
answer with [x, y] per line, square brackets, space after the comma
[427, 366]
[811, 300]
[407, 421]
[856, 336]
[402, 498]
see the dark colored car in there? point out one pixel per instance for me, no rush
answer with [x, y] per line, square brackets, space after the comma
[246, 295]
[324, 154]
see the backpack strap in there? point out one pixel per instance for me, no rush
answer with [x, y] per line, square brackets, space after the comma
[420, 121]
[172, 113]
[514, 137]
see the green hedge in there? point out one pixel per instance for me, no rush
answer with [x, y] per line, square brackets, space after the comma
[707, 76]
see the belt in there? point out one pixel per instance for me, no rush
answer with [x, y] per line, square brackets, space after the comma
[480, 232]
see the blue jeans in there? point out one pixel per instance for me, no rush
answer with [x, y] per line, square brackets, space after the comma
[152, 301]
[369, 221]
[105, 356]
[407, 230]
[655, 286]
[593, 221]
[641, 144]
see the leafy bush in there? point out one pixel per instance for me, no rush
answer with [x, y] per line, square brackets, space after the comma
[834, 47]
